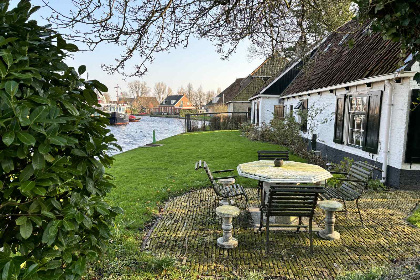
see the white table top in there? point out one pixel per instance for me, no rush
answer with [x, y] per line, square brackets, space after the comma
[290, 172]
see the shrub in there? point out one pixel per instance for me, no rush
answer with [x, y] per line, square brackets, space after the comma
[408, 269]
[285, 132]
[344, 166]
[414, 218]
[52, 152]
[226, 122]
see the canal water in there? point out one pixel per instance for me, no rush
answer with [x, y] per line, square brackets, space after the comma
[136, 134]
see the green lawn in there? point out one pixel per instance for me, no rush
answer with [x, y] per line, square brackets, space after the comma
[146, 177]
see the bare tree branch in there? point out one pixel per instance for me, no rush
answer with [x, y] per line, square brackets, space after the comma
[148, 27]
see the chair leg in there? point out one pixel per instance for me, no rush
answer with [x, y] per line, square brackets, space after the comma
[267, 229]
[345, 208]
[310, 236]
[262, 204]
[360, 214]
[300, 223]
[262, 196]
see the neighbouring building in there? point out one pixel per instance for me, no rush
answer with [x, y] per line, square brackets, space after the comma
[235, 97]
[359, 100]
[265, 103]
[254, 83]
[218, 103]
[173, 104]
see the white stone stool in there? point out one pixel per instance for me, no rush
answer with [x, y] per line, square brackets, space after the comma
[330, 206]
[227, 212]
[226, 183]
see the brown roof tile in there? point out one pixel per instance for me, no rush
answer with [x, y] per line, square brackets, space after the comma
[255, 82]
[336, 63]
[230, 92]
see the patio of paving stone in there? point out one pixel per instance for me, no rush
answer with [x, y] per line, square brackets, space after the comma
[188, 229]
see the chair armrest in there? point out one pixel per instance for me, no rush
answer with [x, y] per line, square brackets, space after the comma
[338, 172]
[226, 170]
[351, 180]
[226, 177]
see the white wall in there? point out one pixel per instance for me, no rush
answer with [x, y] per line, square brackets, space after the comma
[401, 93]
[267, 108]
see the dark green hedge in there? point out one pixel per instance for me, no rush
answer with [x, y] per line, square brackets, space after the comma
[52, 155]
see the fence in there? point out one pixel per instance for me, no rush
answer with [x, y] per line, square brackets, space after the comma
[215, 121]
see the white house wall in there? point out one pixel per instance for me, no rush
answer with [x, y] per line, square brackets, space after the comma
[230, 107]
[325, 132]
[267, 108]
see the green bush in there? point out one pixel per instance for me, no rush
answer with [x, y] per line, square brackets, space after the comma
[226, 122]
[414, 218]
[344, 166]
[53, 218]
[406, 269]
[284, 132]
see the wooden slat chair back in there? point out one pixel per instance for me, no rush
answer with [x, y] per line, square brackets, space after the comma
[269, 155]
[272, 155]
[220, 190]
[353, 185]
[291, 200]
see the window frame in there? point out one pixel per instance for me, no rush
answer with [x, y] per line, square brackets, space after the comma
[279, 112]
[371, 126]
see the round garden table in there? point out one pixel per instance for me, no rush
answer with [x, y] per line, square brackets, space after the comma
[290, 173]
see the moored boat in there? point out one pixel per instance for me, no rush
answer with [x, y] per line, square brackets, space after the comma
[118, 118]
[133, 118]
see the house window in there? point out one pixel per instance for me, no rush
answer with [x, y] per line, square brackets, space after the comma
[412, 152]
[357, 120]
[257, 112]
[303, 115]
[182, 103]
[279, 112]
[291, 110]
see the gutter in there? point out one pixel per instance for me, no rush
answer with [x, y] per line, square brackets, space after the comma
[388, 111]
[264, 95]
[237, 102]
[354, 83]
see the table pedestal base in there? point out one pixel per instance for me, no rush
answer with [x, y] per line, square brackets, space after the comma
[329, 206]
[230, 244]
[335, 235]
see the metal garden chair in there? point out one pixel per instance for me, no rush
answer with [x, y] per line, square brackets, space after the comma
[352, 186]
[225, 192]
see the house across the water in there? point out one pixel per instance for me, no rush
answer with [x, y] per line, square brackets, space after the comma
[359, 102]
[173, 104]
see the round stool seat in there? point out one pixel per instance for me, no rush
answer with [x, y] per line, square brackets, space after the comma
[227, 211]
[330, 205]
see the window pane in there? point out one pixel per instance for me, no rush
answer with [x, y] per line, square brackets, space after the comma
[357, 120]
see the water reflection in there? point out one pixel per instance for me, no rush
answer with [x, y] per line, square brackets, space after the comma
[137, 134]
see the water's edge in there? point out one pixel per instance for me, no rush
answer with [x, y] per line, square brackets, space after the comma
[136, 134]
